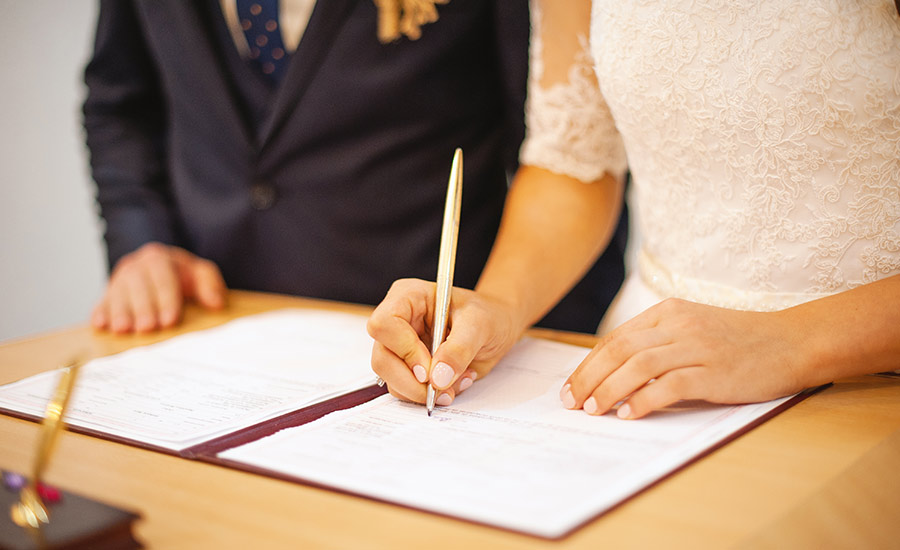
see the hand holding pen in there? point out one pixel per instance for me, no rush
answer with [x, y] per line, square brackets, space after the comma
[481, 330]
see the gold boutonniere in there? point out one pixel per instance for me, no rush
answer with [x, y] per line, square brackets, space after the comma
[406, 17]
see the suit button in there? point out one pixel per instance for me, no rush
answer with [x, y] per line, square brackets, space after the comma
[262, 195]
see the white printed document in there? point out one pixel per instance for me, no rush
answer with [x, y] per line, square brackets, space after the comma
[201, 385]
[506, 453]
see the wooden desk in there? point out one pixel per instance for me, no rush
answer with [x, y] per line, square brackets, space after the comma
[824, 474]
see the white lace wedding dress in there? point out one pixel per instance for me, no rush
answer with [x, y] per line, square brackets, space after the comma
[763, 138]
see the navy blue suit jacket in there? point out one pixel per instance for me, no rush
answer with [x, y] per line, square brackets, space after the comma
[332, 186]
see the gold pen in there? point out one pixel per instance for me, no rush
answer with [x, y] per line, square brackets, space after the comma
[30, 511]
[446, 262]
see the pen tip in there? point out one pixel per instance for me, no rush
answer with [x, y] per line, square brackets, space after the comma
[429, 412]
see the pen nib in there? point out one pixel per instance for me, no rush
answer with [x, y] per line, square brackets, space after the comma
[429, 399]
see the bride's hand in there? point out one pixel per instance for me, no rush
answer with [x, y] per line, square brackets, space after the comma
[682, 350]
[481, 332]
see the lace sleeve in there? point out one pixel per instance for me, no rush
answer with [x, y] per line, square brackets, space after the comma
[570, 130]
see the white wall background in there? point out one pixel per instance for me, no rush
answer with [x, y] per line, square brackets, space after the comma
[52, 266]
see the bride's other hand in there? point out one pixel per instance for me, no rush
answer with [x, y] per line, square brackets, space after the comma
[682, 350]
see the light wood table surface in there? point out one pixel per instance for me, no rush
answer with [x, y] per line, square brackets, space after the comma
[823, 474]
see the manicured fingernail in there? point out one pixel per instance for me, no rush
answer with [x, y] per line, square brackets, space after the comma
[465, 384]
[420, 374]
[442, 375]
[568, 400]
[563, 391]
[624, 411]
[474, 376]
[444, 399]
[590, 406]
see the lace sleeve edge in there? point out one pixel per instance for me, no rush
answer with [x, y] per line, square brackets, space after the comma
[559, 162]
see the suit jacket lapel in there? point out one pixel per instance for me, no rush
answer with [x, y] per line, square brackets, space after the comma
[205, 65]
[324, 22]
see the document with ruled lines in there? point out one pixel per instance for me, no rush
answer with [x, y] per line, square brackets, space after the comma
[506, 452]
[201, 385]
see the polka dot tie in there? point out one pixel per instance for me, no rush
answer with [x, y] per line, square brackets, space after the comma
[259, 20]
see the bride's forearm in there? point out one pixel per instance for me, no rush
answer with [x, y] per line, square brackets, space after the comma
[850, 333]
[553, 228]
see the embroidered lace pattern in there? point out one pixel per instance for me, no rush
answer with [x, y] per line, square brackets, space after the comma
[570, 130]
[764, 139]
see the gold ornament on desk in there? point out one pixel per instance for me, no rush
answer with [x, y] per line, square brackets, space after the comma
[45, 517]
[30, 512]
[404, 17]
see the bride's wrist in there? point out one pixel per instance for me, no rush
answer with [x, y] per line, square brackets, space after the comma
[514, 311]
[811, 350]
